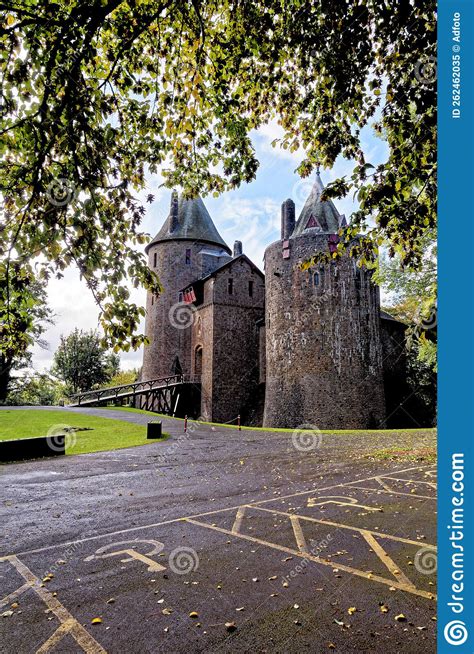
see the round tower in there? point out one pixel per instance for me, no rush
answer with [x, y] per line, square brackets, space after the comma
[323, 348]
[187, 248]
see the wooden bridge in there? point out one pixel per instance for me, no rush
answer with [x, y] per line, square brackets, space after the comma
[160, 395]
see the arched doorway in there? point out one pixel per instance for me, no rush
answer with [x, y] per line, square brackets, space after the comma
[198, 361]
[176, 368]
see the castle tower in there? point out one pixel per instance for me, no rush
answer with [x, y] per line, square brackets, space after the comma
[323, 347]
[187, 247]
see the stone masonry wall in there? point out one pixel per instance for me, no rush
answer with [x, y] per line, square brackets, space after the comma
[167, 323]
[230, 335]
[323, 349]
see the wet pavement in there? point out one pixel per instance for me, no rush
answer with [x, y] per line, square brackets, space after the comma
[220, 541]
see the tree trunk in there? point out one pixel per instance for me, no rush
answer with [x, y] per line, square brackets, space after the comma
[5, 374]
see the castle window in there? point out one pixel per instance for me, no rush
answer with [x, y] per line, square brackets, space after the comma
[180, 297]
[198, 361]
[188, 256]
[154, 260]
[314, 278]
[251, 288]
[230, 285]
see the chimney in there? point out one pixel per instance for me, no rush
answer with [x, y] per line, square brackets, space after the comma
[287, 219]
[174, 212]
[237, 248]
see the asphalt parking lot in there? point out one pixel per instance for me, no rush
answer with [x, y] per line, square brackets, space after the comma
[220, 541]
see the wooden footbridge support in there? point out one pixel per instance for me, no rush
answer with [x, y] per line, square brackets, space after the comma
[160, 395]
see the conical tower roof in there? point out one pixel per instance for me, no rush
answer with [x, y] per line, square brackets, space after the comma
[318, 215]
[189, 220]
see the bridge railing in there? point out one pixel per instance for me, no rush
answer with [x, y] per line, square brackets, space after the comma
[113, 392]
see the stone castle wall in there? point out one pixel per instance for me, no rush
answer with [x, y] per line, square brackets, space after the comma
[323, 351]
[170, 332]
[226, 328]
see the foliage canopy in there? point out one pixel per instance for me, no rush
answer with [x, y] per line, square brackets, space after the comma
[81, 362]
[97, 94]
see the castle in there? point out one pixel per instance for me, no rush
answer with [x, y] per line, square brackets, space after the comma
[284, 349]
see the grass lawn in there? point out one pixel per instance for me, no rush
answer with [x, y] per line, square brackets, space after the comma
[101, 433]
[131, 409]
[415, 455]
[421, 431]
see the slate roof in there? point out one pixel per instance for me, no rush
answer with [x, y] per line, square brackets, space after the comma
[241, 257]
[322, 216]
[386, 316]
[193, 224]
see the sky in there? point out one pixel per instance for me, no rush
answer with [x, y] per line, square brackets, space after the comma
[250, 214]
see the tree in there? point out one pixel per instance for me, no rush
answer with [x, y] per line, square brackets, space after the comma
[412, 299]
[22, 326]
[38, 389]
[82, 362]
[123, 377]
[95, 95]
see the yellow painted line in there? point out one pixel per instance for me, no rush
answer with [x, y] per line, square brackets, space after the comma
[380, 481]
[342, 526]
[300, 539]
[386, 560]
[63, 629]
[238, 520]
[316, 559]
[413, 481]
[195, 515]
[153, 566]
[392, 492]
[314, 501]
[318, 490]
[409, 481]
[16, 593]
[82, 637]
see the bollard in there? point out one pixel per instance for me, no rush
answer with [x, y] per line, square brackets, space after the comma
[185, 424]
[238, 422]
[154, 429]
